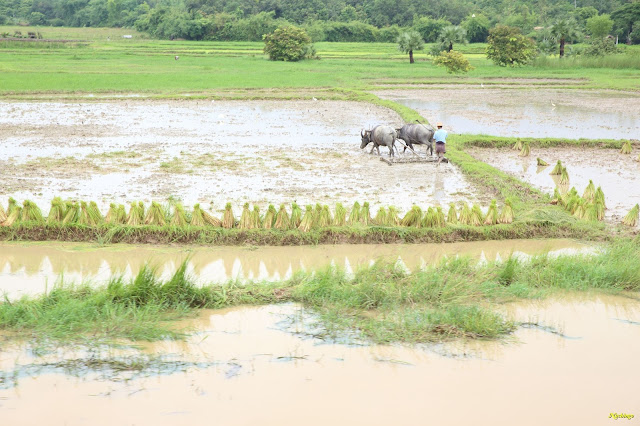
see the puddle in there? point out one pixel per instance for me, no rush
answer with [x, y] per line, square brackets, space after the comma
[262, 373]
[617, 174]
[533, 112]
[32, 268]
[211, 152]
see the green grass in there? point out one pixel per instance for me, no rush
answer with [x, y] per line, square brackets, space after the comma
[381, 303]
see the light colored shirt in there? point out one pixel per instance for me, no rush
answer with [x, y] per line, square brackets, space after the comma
[440, 136]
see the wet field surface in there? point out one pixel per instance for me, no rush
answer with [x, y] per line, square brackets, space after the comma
[33, 268]
[527, 112]
[211, 153]
[268, 365]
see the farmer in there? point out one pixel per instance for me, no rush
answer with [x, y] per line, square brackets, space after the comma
[440, 136]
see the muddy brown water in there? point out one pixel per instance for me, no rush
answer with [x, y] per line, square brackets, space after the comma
[616, 173]
[32, 268]
[579, 366]
[211, 153]
[527, 112]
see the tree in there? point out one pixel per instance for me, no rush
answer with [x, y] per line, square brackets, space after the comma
[477, 28]
[624, 19]
[452, 34]
[562, 30]
[455, 62]
[508, 47]
[410, 41]
[287, 44]
[430, 28]
[599, 26]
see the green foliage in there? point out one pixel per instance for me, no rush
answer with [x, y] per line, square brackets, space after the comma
[453, 61]
[625, 18]
[477, 27]
[288, 44]
[600, 47]
[507, 47]
[564, 30]
[599, 26]
[410, 41]
[451, 34]
[430, 28]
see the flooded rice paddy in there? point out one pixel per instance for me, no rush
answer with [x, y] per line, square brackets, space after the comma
[617, 174]
[210, 152]
[263, 365]
[527, 112]
[33, 268]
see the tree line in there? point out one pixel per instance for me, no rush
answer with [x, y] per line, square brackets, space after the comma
[323, 20]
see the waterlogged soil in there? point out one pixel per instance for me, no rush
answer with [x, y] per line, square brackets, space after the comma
[527, 111]
[211, 152]
[270, 366]
[33, 268]
[616, 173]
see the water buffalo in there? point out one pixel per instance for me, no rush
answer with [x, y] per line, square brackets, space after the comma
[419, 134]
[379, 135]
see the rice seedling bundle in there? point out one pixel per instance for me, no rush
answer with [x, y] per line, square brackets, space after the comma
[133, 218]
[518, 145]
[580, 209]
[307, 220]
[84, 218]
[440, 223]
[590, 212]
[56, 213]
[73, 213]
[94, 213]
[526, 150]
[589, 192]
[541, 162]
[429, 219]
[13, 204]
[141, 211]
[599, 209]
[155, 215]
[413, 217]
[228, 221]
[392, 218]
[197, 218]
[365, 214]
[452, 215]
[557, 197]
[492, 214]
[256, 221]
[600, 197]
[626, 148]
[111, 216]
[211, 219]
[557, 170]
[179, 218]
[325, 216]
[270, 217]
[3, 214]
[296, 215]
[282, 219]
[13, 217]
[245, 217]
[631, 219]
[564, 177]
[354, 216]
[316, 215]
[381, 217]
[121, 217]
[465, 215]
[476, 215]
[340, 215]
[506, 215]
[572, 203]
[31, 212]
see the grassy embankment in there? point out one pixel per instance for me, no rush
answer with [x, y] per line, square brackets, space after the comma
[381, 303]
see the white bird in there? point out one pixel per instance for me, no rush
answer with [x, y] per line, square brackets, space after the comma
[554, 105]
[314, 98]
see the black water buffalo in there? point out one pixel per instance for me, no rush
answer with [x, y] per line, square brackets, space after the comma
[419, 134]
[379, 135]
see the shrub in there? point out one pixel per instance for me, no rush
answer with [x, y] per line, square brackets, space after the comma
[455, 62]
[288, 44]
[508, 47]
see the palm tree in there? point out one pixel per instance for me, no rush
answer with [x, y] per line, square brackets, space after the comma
[410, 41]
[452, 34]
[562, 30]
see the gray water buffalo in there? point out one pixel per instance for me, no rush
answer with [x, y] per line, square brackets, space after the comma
[379, 135]
[419, 134]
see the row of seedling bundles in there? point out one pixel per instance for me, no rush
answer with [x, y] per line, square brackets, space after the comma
[320, 216]
[590, 206]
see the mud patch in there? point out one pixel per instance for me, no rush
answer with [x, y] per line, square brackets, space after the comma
[527, 112]
[203, 151]
[617, 174]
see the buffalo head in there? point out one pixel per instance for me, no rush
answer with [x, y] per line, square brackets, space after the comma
[365, 136]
